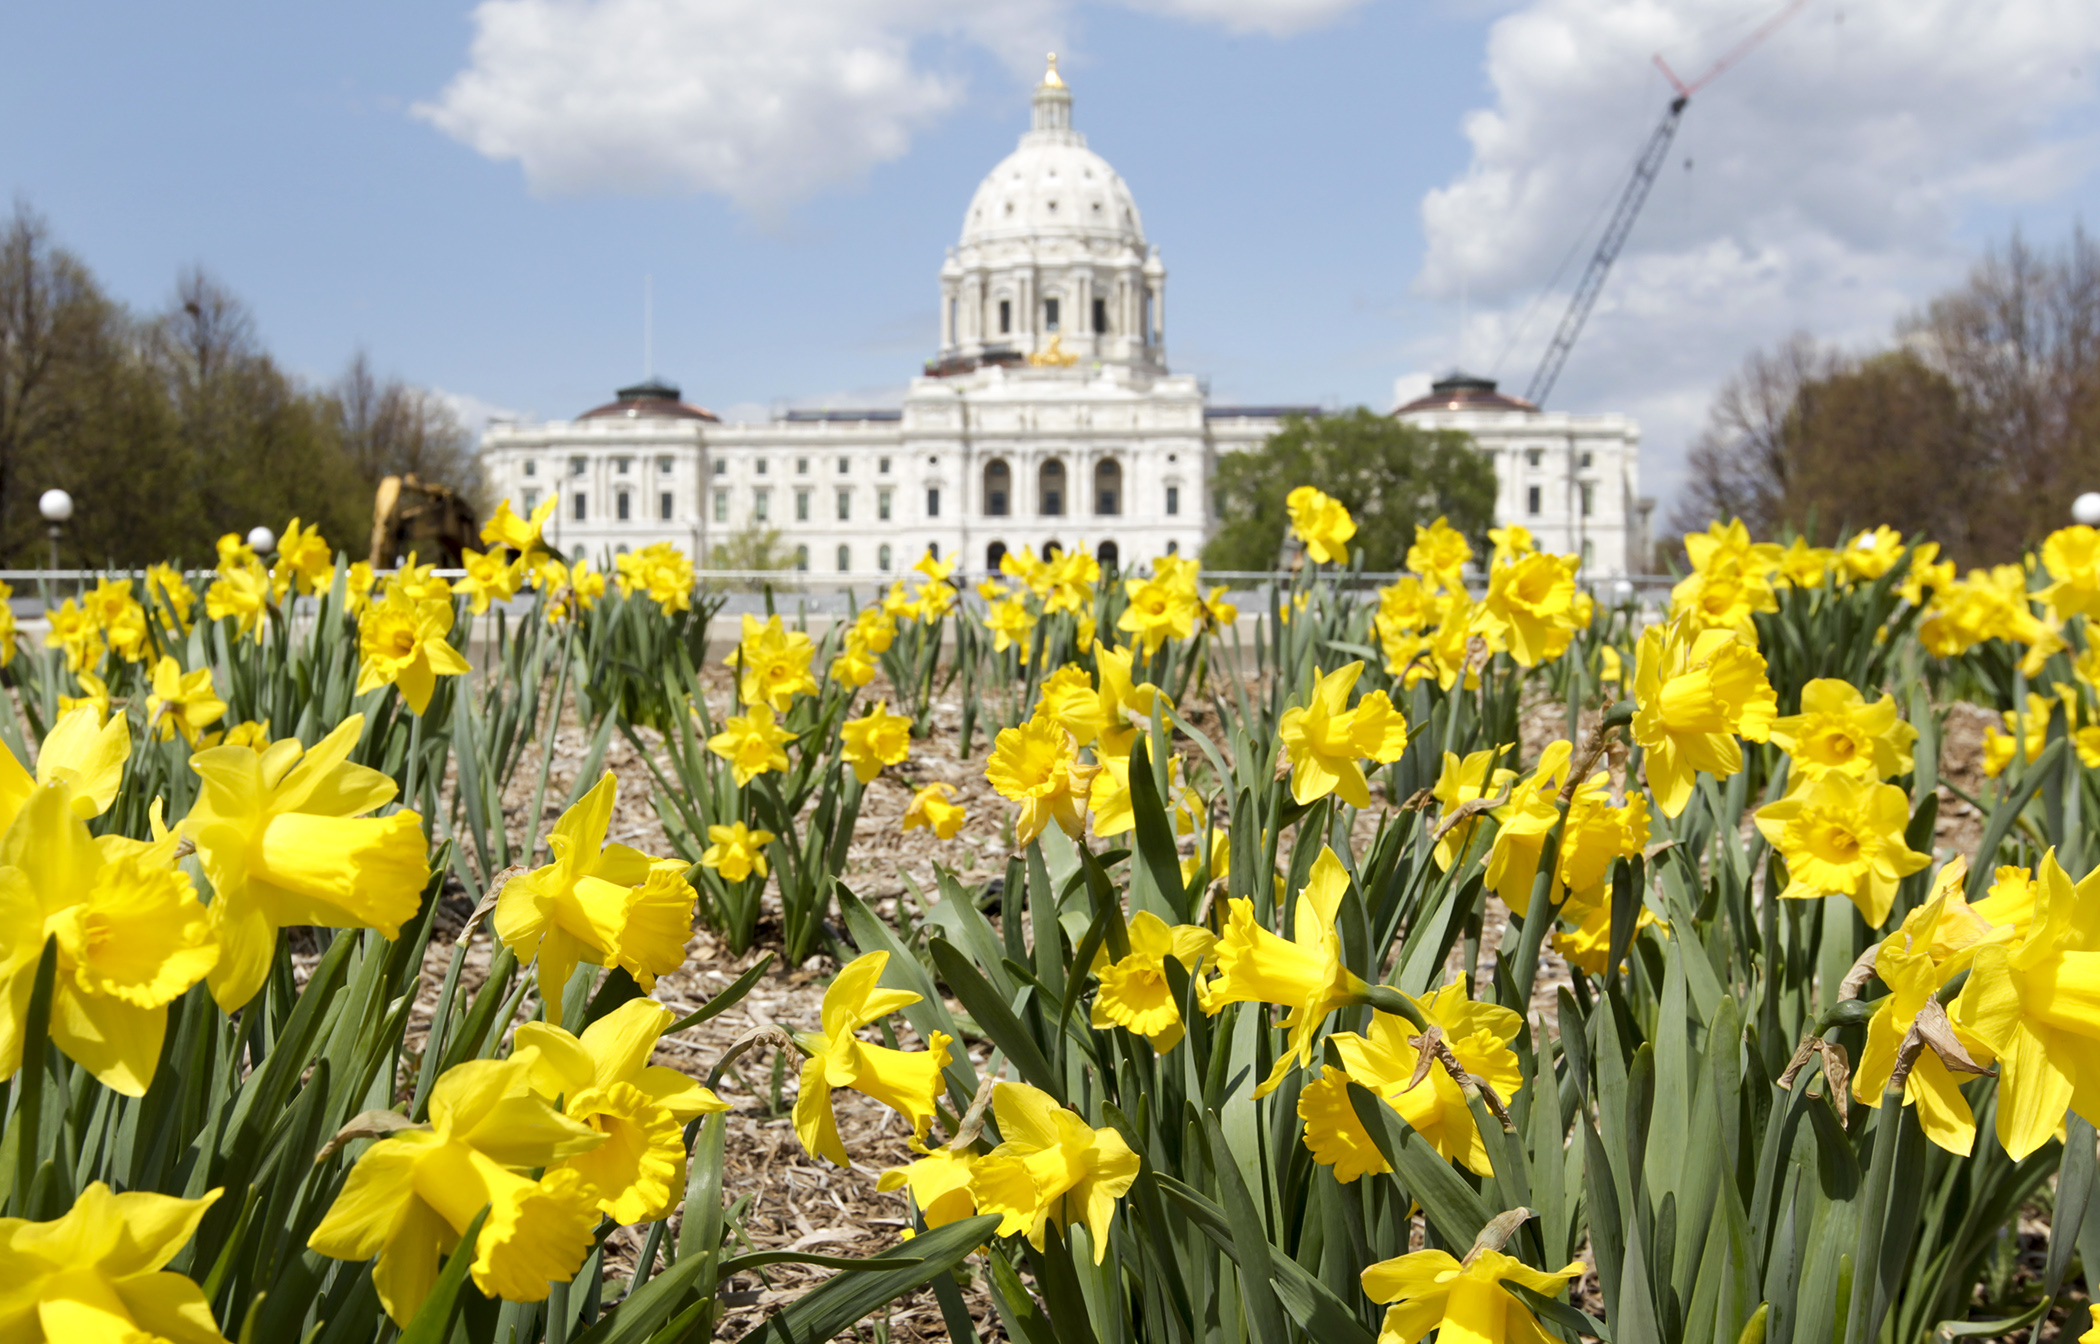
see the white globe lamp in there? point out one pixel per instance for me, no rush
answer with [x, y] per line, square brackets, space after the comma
[1622, 591]
[57, 508]
[261, 540]
[2086, 508]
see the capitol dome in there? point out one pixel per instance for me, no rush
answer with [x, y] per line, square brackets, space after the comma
[1054, 186]
[1052, 267]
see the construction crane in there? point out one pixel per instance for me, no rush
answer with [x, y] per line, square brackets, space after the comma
[1645, 169]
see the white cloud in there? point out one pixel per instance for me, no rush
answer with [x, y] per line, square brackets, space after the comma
[474, 413]
[1829, 174]
[765, 102]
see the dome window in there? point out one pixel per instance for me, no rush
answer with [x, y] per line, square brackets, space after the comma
[1050, 488]
[1050, 316]
[1006, 317]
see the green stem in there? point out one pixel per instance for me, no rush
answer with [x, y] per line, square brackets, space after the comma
[548, 735]
[1863, 1319]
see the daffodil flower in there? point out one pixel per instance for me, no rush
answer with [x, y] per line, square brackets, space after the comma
[906, 1082]
[1158, 611]
[1840, 836]
[931, 809]
[490, 578]
[1386, 1060]
[1134, 992]
[519, 534]
[874, 740]
[604, 1080]
[1837, 730]
[1326, 738]
[82, 754]
[97, 1275]
[181, 702]
[1461, 782]
[1530, 607]
[305, 555]
[1009, 621]
[1906, 964]
[608, 904]
[1322, 523]
[281, 837]
[772, 664]
[1050, 1165]
[1124, 704]
[1462, 1300]
[752, 743]
[662, 571]
[1304, 974]
[404, 644]
[1696, 691]
[939, 1181]
[1037, 765]
[413, 1194]
[1595, 833]
[132, 937]
[736, 851]
[1440, 554]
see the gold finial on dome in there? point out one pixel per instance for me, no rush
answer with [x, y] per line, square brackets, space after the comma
[1051, 79]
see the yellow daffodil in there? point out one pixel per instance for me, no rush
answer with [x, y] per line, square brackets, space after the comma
[607, 904]
[166, 583]
[1325, 738]
[520, 534]
[2024, 737]
[772, 664]
[1587, 945]
[82, 754]
[1843, 836]
[132, 937]
[660, 570]
[1730, 541]
[357, 587]
[97, 1275]
[306, 557]
[1530, 607]
[74, 631]
[183, 702]
[1461, 782]
[1124, 704]
[930, 809]
[252, 734]
[1804, 566]
[419, 583]
[1219, 859]
[1304, 974]
[1322, 524]
[2072, 557]
[1595, 833]
[1611, 665]
[853, 666]
[1050, 1166]
[94, 694]
[1906, 964]
[939, 1181]
[1725, 595]
[1068, 697]
[604, 1080]
[874, 740]
[1386, 1060]
[1696, 691]
[404, 644]
[1037, 765]
[413, 1194]
[1109, 796]
[489, 578]
[1440, 554]
[2035, 1003]
[1134, 992]
[736, 851]
[1837, 730]
[1511, 543]
[1462, 1300]
[1924, 577]
[281, 836]
[1159, 610]
[1009, 621]
[1871, 554]
[752, 743]
[909, 1083]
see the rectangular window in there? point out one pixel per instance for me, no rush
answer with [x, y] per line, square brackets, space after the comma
[882, 465]
[1589, 499]
[845, 558]
[1586, 459]
[802, 506]
[1006, 316]
[845, 505]
[802, 559]
[532, 501]
[762, 466]
[1100, 316]
[1533, 501]
[577, 508]
[721, 466]
[762, 504]
[1049, 314]
[721, 506]
[577, 466]
[882, 506]
[663, 465]
[1589, 554]
[532, 466]
[663, 506]
[623, 506]
[1173, 500]
[1532, 456]
[845, 464]
[802, 466]
[933, 502]
[621, 464]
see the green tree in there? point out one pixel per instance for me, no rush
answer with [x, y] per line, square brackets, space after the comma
[1391, 476]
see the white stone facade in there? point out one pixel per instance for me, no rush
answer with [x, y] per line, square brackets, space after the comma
[1048, 418]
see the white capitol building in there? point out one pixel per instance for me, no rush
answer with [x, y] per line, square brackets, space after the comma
[1049, 419]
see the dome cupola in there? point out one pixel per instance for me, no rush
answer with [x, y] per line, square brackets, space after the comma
[1052, 266]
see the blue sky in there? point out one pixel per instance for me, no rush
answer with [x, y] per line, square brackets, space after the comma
[1335, 186]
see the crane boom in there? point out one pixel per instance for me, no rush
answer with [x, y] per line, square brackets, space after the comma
[1645, 169]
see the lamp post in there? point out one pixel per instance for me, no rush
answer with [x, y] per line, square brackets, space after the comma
[261, 540]
[57, 508]
[2086, 509]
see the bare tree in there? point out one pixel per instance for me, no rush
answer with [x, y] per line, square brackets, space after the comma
[391, 428]
[1739, 463]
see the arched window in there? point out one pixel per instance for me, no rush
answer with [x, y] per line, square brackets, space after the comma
[802, 559]
[882, 558]
[1108, 487]
[1106, 553]
[1050, 489]
[998, 488]
[845, 558]
[993, 554]
[1052, 550]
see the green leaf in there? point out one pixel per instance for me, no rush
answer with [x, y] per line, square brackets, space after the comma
[994, 1017]
[845, 1298]
[1454, 1207]
[727, 999]
[432, 1323]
